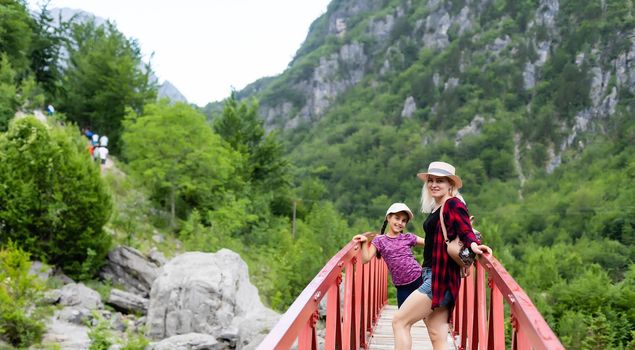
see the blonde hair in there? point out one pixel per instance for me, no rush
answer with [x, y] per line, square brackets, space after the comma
[427, 201]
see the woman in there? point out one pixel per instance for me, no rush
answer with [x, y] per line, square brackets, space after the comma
[434, 300]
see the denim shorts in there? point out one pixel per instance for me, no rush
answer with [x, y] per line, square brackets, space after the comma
[426, 288]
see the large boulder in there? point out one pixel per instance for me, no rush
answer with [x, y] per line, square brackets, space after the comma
[208, 293]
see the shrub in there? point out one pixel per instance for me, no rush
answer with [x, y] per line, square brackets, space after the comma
[19, 291]
[54, 202]
[101, 337]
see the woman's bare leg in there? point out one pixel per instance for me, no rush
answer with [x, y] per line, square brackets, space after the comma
[437, 324]
[416, 307]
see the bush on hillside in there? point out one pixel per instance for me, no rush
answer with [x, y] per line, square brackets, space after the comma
[54, 202]
[19, 321]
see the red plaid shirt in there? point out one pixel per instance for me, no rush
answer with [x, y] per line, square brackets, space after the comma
[445, 272]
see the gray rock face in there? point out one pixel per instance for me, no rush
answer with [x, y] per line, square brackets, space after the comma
[321, 89]
[131, 269]
[127, 301]
[207, 293]
[67, 327]
[78, 295]
[169, 91]
[409, 107]
[190, 341]
[473, 128]
[66, 335]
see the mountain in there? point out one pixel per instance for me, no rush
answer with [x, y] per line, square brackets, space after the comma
[61, 15]
[168, 90]
[527, 81]
[532, 100]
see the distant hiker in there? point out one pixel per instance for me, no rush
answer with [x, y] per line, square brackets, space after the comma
[395, 248]
[103, 155]
[103, 141]
[50, 110]
[95, 143]
[89, 134]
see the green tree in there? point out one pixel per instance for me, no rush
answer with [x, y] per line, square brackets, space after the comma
[15, 33]
[46, 43]
[105, 75]
[241, 127]
[54, 202]
[599, 334]
[177, 155]
[8, 98]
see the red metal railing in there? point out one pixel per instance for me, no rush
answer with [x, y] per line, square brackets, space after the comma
[348, 326]
[476, 328]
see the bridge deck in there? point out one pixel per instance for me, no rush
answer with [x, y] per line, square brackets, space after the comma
[383, 338]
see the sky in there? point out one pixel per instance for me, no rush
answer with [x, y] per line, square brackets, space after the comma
[207, 47]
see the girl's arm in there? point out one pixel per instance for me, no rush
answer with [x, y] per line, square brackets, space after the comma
[420, 242]
[368, 249]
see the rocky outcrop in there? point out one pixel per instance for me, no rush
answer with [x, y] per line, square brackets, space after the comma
[169, 91]
[190, 341]
[207, 293]
[127, 302]
[409, 107]
[544, 16]
[67, 327]
[130, 268]
[335, 74]
[197, 301]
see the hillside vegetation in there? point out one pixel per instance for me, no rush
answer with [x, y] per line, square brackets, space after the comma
[531, 100]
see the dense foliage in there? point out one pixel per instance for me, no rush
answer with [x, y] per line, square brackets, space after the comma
[555, 200]
[187, 166]
[54, 203]
[20, 319]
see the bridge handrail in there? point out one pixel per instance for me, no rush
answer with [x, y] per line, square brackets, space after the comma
[471, 323]
[365, 294]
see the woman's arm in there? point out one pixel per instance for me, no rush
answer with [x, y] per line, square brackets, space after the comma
[459, 222]
[480, 248]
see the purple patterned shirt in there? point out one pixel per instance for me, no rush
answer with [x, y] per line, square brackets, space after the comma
[396, 251]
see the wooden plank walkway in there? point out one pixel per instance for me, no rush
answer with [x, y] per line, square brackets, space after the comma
[383, 338]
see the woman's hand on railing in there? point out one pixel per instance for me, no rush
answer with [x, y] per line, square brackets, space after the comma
[480, 248]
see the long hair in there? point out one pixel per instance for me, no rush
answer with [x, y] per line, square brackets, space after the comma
[428, 202]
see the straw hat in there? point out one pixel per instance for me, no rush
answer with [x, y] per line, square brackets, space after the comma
[441, 169]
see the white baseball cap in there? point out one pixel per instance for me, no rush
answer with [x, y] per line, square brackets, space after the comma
[399, 207]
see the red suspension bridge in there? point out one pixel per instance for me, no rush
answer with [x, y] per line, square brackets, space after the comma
[361, 318]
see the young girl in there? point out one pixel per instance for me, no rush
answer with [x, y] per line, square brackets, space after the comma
[394, 247]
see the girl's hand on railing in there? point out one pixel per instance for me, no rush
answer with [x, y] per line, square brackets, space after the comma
[480, 248]
[360, 238]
